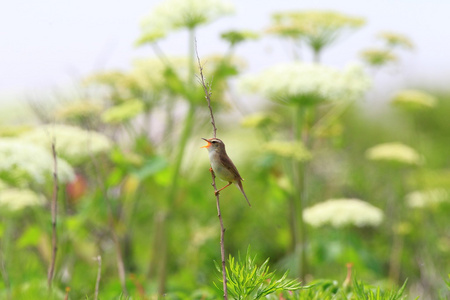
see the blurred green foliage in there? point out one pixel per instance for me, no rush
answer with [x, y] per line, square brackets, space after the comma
[135, 187]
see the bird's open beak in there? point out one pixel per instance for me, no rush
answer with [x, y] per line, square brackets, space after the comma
[207, 145]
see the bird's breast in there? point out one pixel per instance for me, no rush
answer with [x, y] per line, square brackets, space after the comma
[219, 169]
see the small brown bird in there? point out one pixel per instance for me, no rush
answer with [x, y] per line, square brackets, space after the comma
[222, 165]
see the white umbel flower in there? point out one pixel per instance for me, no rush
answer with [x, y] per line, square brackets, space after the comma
[427, 198]
[72, 143]
[16, 199]
[175, 14]
[302, 83]
[24, 164]
[414, 100]
[394, 152]
[343, 212]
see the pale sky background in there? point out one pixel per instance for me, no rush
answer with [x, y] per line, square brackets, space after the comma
[50, 44]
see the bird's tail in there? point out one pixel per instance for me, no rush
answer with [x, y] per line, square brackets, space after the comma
[239, 185]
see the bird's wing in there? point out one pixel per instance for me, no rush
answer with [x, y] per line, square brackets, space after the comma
[226, 161]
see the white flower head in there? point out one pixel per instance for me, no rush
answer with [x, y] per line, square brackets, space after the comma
[287, 149]
[175, 14]
[427, 198]
[123, 112]
[394, 152]
[72, 143]
[16, 199]
[23, 164]
[304, 84]
[78, 110]
[343, 212]
[413, 100]
[260, 119]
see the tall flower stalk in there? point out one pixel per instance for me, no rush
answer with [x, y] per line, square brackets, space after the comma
[305, 87]
[315, 29]
[397, 158]
[168, 16]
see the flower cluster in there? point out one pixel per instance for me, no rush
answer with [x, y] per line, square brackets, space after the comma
[419, 199]
[72, 143]
[393, 39]
[16, 199]
[235, 37]
[293, 150]
[24, 164]
[413, 100]
[304, 84]
[317, 28]
[78, 111]
[123, 112]
[394, 152]
[115, 86]
[378, 57]
[343, 212]
[176, 14]
[148, 73]
[259, 119]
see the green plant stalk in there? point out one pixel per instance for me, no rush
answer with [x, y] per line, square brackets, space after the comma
[397, 238]
[103, 188]
[316, 55]
[54, 212]
[173, 187]
[5, 251]
[299, 177]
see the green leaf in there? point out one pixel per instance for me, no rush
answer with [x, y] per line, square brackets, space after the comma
[115, 177]
[30, 237]
[152, 166]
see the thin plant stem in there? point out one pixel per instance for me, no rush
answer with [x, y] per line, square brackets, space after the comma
[222, 237]
[396, 211]
[54, 207]
[299, 174]
[207, 91]
[172, 191]
[99, 274]
[66, 297]
[119, 256]
[316, 56]
[5, 251]
[112, 230]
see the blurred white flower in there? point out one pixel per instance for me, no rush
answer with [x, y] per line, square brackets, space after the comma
[393, 39]
[78, 111]
[23, 164]
[72, 143]
[3, 185]
[260, 119]
[148, 73]
[343, 212]
[394, 152]
[175, 14]
[318, 29]
[377, 57]
[123, 112]
[426, 198]
[303, 83]
[294, 150]
[413, 100]
[16, 199]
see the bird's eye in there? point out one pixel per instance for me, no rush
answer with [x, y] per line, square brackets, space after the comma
[214, 142]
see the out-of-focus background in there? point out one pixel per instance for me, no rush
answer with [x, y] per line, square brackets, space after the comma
[335, 113]
[49, 44]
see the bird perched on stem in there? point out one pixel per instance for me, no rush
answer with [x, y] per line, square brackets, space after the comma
[222, 165]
